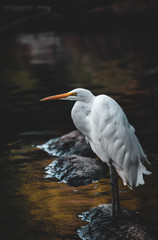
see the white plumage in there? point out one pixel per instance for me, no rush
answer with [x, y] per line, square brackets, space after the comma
[111, 137]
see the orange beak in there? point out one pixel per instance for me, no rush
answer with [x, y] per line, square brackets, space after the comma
[59, 96]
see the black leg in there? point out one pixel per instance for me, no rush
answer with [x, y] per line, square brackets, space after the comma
[117, 193]
[114, 188]
[112, 182]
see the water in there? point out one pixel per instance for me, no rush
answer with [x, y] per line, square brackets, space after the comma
[34, 65]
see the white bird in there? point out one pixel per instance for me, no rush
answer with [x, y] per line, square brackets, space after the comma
[106, 128]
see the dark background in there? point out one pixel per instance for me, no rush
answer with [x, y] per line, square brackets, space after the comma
[50, 47]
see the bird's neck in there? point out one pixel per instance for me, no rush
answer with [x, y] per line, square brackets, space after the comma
[80, 114]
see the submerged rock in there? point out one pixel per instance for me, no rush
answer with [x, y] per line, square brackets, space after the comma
[68, 144]
[100, 227]
[76, 170]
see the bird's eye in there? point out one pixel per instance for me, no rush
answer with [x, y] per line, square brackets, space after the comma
[74, 93]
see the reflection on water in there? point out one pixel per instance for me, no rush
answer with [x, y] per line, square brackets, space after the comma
[41, 48]
[32, 66]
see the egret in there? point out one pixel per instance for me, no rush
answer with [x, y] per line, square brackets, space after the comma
[106, 128]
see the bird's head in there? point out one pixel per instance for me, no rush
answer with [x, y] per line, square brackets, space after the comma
[78, 94]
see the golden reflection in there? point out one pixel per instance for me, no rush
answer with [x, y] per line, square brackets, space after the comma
[54, 207]
[56, 203]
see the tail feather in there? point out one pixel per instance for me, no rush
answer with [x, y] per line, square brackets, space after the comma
[134, 176]
[141, 170]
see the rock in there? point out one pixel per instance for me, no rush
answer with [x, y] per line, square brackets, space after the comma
[74, 165]
[127, 226]
[76, 170]
[69, 144]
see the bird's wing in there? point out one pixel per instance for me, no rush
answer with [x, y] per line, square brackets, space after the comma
[116, 137]
[115, 134]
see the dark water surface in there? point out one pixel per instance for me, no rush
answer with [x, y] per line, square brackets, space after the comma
[123, 65]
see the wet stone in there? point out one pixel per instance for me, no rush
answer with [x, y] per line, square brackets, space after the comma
[126, 226]
[76, 170]
[68, 144]
[77, 164]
